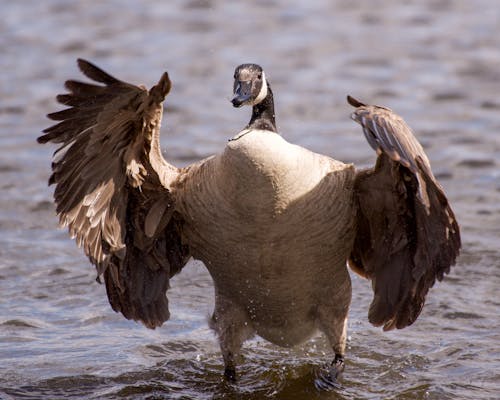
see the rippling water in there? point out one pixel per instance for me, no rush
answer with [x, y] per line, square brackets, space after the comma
[436, 62]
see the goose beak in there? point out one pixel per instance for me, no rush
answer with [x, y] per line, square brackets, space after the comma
[242, 93]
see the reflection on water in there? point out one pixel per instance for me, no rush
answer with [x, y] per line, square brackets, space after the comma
[434, 62]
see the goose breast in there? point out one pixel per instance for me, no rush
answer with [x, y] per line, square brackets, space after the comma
[273, 223]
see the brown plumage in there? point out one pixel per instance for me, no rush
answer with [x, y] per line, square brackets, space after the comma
[273, 222]
[107, 189]
[407, 232]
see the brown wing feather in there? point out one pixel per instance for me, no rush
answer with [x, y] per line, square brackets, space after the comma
[110, 180]
[407, 235]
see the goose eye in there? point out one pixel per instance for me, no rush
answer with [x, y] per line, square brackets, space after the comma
[259, 76]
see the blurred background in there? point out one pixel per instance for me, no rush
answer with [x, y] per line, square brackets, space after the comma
[435, 62]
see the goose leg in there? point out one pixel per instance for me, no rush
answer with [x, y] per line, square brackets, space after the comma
[335, 329]
[232, 326]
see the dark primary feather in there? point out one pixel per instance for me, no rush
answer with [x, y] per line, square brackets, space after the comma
[108, 187]
[379, 125]
[95, 73]
[407, 234]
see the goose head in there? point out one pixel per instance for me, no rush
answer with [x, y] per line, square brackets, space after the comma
[252, 88]
[250, 85]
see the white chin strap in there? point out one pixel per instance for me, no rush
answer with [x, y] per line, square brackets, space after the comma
[263, 91]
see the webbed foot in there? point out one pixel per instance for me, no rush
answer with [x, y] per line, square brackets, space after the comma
[327, 377]
[230, 374]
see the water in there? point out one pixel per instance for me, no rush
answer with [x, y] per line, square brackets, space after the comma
[437, 63]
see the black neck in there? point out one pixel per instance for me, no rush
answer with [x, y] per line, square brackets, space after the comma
[263, 114]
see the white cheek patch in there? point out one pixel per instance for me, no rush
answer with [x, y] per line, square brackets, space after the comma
[263, 91]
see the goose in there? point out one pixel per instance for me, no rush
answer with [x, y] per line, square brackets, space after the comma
[275, 224]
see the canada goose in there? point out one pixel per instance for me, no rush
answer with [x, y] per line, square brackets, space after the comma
[273, 223]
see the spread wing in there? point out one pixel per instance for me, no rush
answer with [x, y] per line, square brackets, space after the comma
[111, 189]
[407, 235]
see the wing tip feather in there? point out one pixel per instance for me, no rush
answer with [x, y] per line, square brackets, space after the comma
[43, 138]
[95, 73]
[354, 102]
[159, 91]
